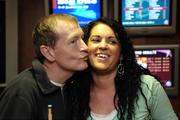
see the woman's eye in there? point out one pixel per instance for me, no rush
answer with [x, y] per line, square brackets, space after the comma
[95, 40]
[113, 41]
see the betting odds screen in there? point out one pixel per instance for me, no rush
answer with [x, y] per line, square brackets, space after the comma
[159, 62]
[146, 12]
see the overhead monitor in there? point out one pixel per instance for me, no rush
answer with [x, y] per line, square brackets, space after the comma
[84, 10]
[163, 62]
[147, 17]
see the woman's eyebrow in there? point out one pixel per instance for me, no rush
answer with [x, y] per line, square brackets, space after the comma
[111, 37]
[95, 36]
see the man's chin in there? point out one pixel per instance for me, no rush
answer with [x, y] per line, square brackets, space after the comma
[82, 67]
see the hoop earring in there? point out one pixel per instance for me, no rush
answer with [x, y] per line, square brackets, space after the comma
[121, 69]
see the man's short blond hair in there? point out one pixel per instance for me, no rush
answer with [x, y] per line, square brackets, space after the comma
[46, 31]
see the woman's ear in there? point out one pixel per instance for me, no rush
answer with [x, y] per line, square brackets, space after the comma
[47, 52]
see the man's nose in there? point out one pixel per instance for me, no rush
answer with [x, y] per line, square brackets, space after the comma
[83, 46]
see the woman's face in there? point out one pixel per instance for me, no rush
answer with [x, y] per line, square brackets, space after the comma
[104, 49]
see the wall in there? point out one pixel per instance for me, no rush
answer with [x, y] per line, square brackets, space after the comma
[11, 38]
[29, 11]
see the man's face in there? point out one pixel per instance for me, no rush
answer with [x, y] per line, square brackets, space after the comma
[70, 52]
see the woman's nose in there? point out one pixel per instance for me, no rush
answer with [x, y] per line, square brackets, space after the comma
[103, 44]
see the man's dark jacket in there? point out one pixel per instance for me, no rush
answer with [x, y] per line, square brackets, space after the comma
[28, 95]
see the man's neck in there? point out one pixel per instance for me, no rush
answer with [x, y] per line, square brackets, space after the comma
[56, 74]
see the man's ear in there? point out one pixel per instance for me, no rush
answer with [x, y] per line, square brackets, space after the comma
[47, 52]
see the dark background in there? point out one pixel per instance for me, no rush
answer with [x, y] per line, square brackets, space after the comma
[2, 39]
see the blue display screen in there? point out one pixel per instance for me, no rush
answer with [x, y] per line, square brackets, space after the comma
[84, 10]
[145, 12]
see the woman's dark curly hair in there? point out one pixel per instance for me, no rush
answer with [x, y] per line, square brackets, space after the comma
[126, 85]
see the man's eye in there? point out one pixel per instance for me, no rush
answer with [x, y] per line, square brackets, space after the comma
[73, 41]
[82, 37]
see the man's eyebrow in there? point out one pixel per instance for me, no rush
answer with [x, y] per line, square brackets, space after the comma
[76, 35]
